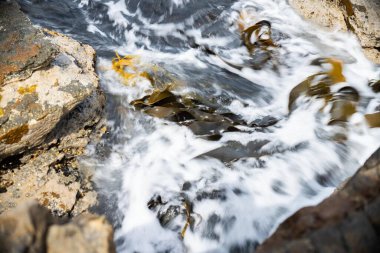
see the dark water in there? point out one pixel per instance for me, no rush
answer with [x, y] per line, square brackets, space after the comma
[236, 161]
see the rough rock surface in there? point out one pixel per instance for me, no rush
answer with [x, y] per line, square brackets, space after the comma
[32, 229]
[348, 221]
[361, 17]
[50, 108]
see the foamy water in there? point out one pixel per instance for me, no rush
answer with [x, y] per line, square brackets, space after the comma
[236, 203]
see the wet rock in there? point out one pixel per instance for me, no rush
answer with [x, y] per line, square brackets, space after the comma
[361, 17]
[51, 107]
[348, 221]
[375, 85]
[214, 194]
[233, 150]
[31, 228]
[165, 216]
[266, 121]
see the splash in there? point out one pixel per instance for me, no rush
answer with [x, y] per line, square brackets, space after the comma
[224, 118]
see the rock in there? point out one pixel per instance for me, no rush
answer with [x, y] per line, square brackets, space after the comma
[31, 228]
[23, 48]
[51, 107]
[361, 17]
[86, 233]
[348, 221]
[32, 106]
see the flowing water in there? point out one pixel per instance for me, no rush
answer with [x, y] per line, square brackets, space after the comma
[225, 189]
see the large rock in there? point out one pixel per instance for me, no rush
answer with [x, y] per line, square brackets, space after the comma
[51, 107]
[32, 229]
[49, 75]
[348, 221]
[361, 17]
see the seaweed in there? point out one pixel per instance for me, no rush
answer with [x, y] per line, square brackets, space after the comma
[187, 206]
[373, 119]
[318, 85]
[203, 120]
[258, 36]
[126, 67]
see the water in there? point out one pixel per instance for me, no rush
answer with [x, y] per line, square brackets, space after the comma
[235, 197]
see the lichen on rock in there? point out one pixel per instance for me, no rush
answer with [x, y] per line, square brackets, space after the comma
[51, 108]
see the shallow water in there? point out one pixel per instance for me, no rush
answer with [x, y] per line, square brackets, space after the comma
[233, 191]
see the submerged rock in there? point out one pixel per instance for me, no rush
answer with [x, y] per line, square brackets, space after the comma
[51, 106]
[361, 17]
[31, 228]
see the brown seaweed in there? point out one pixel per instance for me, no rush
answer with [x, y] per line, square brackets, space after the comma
[261, 33]
[318, 85]
[373, 119]
[202, 119]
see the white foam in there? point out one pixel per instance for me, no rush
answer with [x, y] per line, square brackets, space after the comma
[157, 157]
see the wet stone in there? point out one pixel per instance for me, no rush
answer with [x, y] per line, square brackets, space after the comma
[166, 216]
[266, 121]
[154, 202]
[214, 194]
[211, 223]
[375, 85]
[186, 186]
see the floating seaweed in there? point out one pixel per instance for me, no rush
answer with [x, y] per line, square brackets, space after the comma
[187, 206]
[131, 69]
[344, 104]
[318, 85]
[373, 119]
[258, 36]
[127, 68]
[202, 119]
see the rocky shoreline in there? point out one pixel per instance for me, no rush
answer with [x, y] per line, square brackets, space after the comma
[51, 108]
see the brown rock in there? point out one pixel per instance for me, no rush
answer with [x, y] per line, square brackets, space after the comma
[24, 229]
[85, 234]
[361, 17]
[31, 228]
[22, 47]
[348, 221]
[50, 109]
